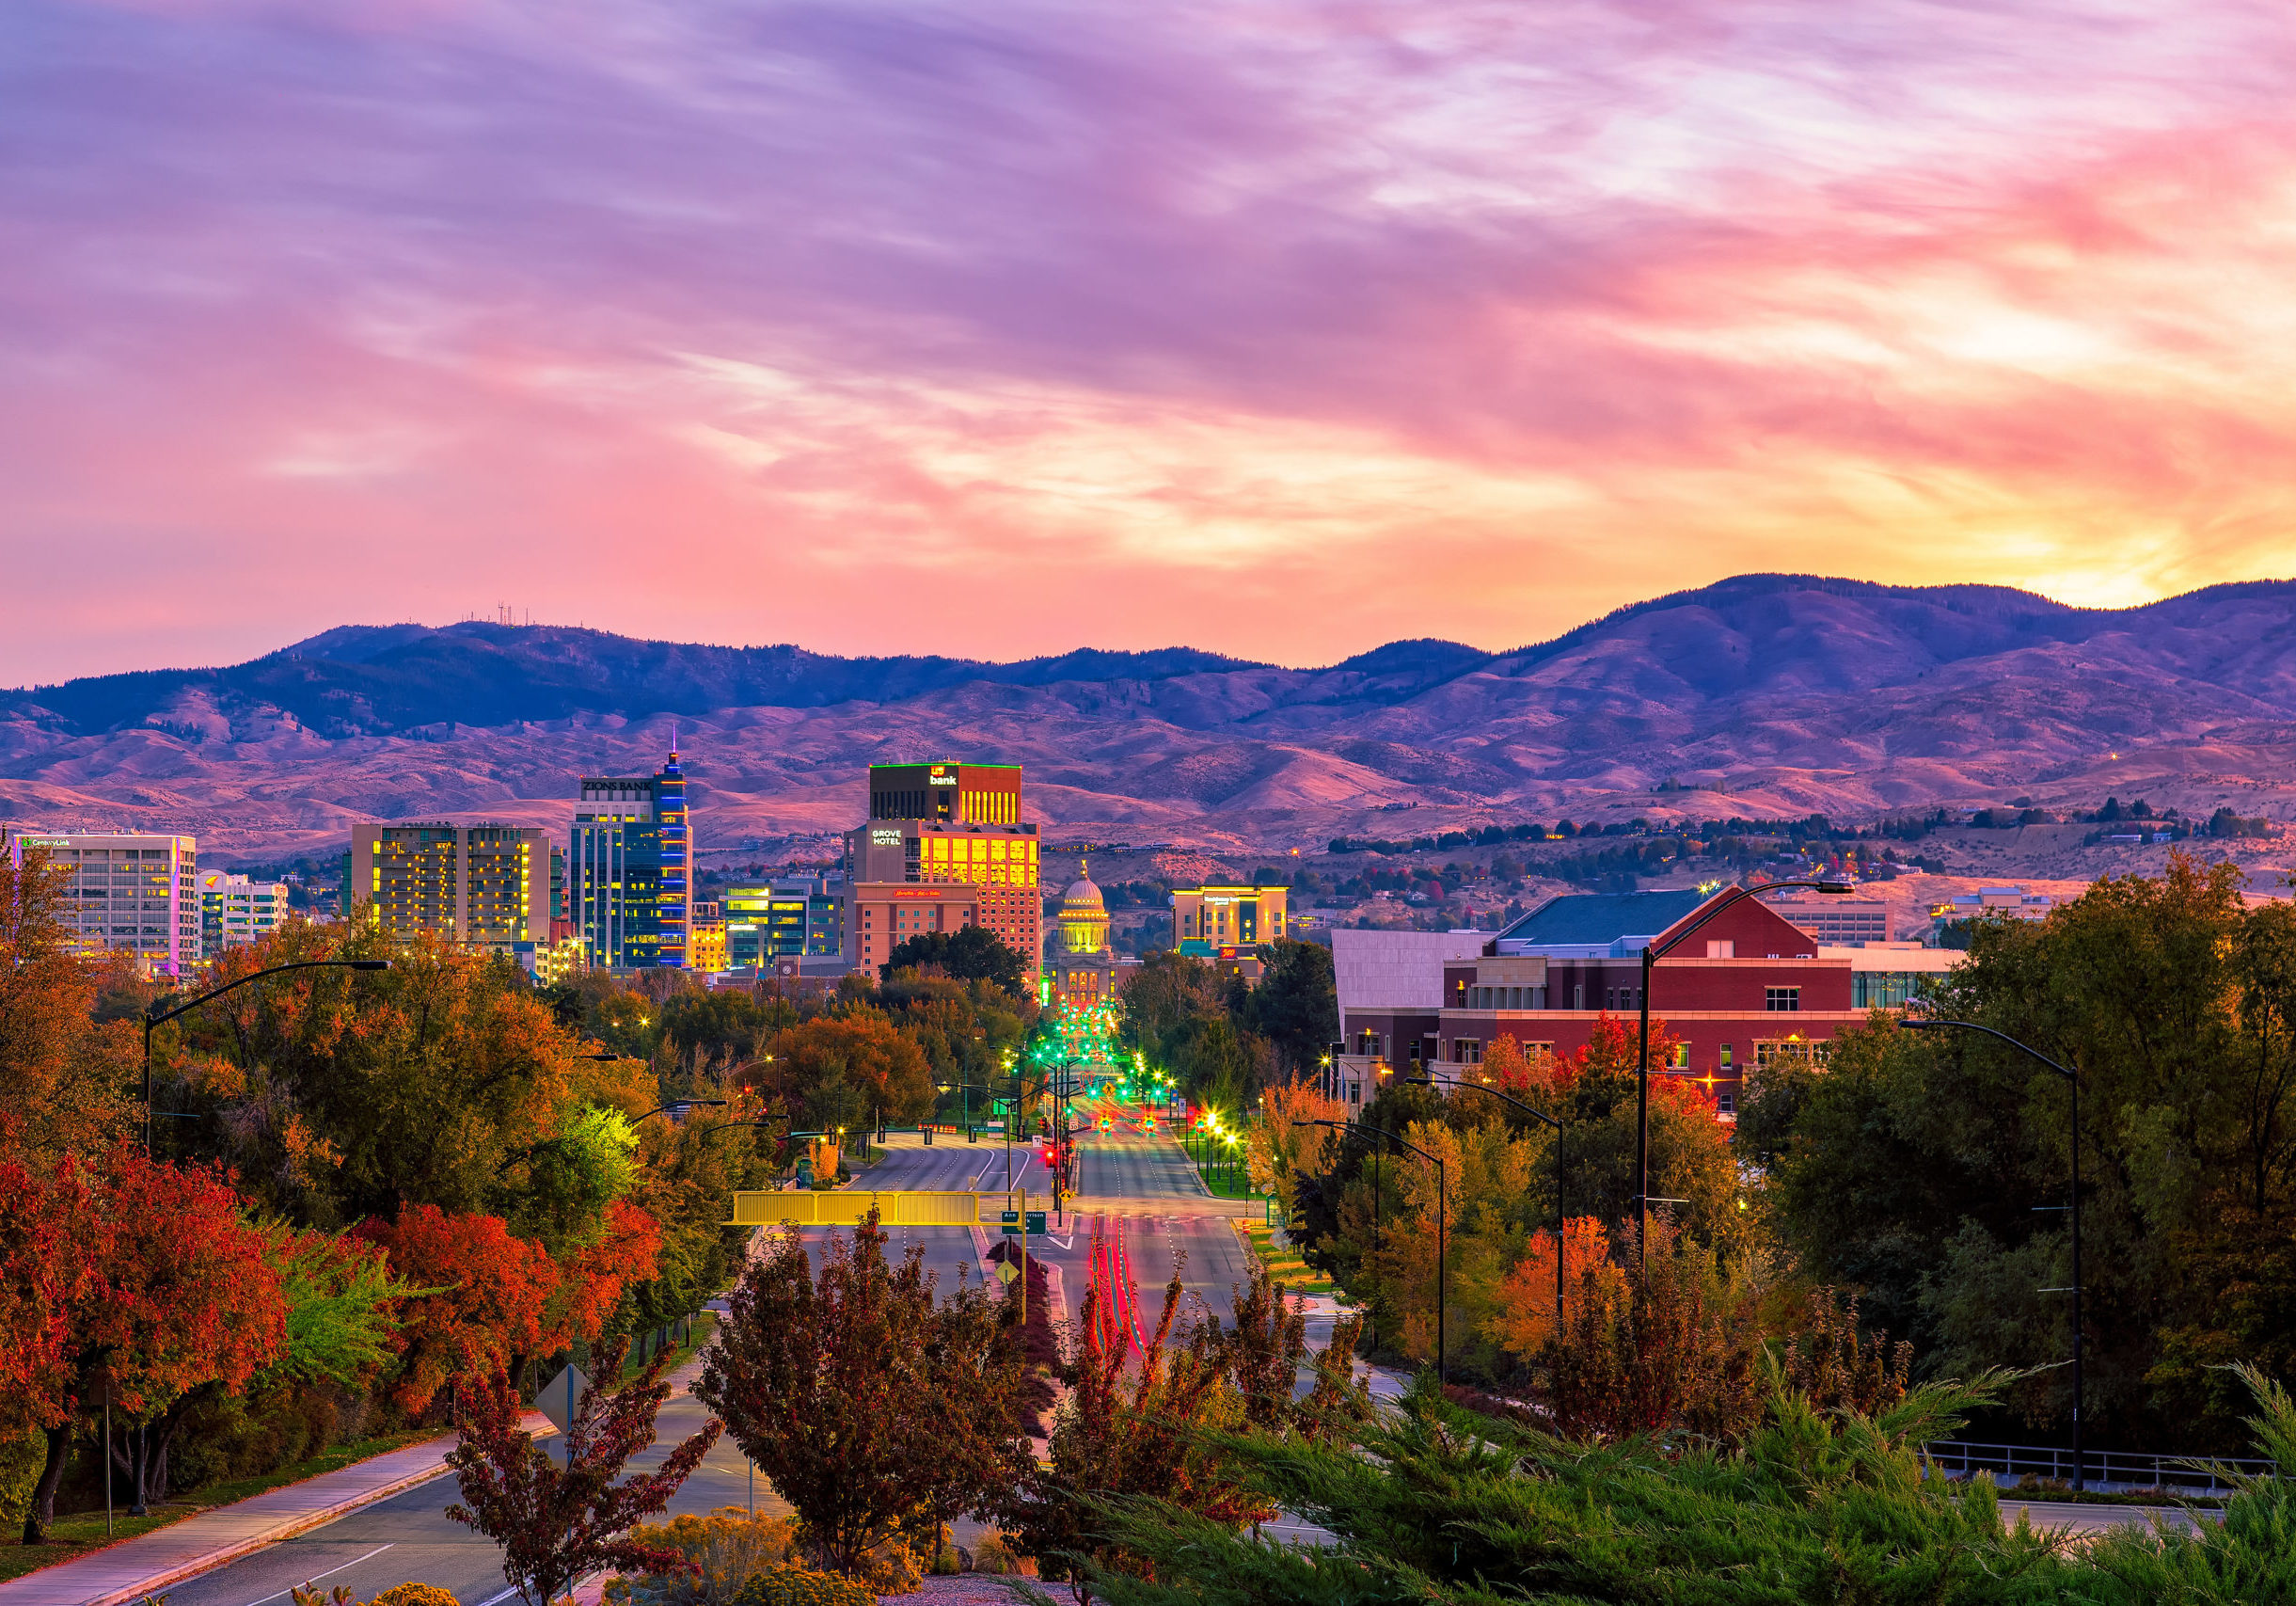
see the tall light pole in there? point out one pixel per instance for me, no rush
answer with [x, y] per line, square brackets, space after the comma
[2072, 1080]
[1535, 1115]
[156, 1016]
[1442, 1212]
[1651, 953]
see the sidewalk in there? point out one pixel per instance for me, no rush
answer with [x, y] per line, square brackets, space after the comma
[151, 1562]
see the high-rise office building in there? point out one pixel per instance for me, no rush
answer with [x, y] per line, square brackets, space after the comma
[630, 869]
[130, 892]
[235, 911]
[999, 859]
[487, 883]
[798, 917]
[951, 792]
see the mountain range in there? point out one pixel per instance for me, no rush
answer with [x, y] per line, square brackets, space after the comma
[1762, 695]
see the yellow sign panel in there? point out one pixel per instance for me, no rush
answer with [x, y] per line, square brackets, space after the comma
[849, 1207]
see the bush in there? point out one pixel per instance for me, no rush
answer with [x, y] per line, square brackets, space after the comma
[729, 1546]
[803, 1586]
[993, 1554]
[415, 1595]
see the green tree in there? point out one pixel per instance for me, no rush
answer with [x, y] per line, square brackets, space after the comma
[1295, 1004]
[972, 953]
[861, 1401]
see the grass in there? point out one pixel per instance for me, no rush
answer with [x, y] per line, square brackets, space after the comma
[1227, 1180]
[81, 1532]
[704, 1325]
[1284, 1263]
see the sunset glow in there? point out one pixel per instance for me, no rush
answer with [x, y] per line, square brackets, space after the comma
[905, 327]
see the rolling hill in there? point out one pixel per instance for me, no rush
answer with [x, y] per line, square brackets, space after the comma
[1783, 694]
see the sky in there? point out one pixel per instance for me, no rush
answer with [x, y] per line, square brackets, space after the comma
[1280, 329]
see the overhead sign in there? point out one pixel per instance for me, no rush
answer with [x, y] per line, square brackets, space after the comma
[1012, 1223]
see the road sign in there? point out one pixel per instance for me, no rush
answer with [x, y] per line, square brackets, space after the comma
[1006, 1271]
[1012, 1223]
[558, 1397]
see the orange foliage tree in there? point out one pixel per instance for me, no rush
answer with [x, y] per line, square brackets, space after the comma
[863, 1048]
[491, 1299]
[153, 1290]
[1524, 1323]
[1276, 1152]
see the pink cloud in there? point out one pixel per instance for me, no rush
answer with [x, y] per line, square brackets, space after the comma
[1281, 330]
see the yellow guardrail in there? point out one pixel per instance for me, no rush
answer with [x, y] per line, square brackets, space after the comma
[849, 1207]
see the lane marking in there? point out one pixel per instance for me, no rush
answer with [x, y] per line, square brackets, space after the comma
[317, 1576]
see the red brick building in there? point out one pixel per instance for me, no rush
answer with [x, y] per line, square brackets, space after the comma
[881, 915]
[1750, 988]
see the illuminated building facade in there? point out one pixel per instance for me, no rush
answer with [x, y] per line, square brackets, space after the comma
[1206, 919]
[800, 916]
[488, 884]
[998, 861]
[1083, 973]
[950, 792]
[235, 910]
[134, 893]
[630, 869]
[706, 938]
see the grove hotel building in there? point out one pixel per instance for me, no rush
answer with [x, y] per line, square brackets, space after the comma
[969, 836]
[134, 893]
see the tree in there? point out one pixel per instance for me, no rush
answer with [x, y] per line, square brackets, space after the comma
[556, 1524]
[1296, 1003]
[1277, 1152]
[158, 1290]
[490, 1304]
[1931, 1170]
[866, 1050]
[68, 1078]
[968, 954]
[843, 1392]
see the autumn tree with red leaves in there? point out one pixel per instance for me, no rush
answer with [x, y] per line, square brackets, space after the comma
[487, 1315]
[154, 1288]
[557, 1524]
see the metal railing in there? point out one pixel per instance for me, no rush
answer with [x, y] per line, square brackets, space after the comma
[2128, 1469]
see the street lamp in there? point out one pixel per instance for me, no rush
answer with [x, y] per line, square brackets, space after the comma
[2073, 1081]
[1442, 1212]
[1651, 953]
[156, 1016]
[1428, 1081]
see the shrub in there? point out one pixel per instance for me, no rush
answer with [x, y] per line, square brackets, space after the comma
[803, 1586]
[415, 1595]
[729, 1547]
[994, 1553]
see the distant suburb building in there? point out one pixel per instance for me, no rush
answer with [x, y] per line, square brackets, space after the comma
[629, 866]
[234, 910]
[488, 884]
[131, 893]
[1206, 919]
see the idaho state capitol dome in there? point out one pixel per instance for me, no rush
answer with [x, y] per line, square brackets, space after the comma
[1084, 915]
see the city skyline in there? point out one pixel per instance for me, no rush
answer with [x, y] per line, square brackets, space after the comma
[1261, 331]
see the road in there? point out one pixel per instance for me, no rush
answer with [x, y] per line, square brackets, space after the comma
[1144, 1208]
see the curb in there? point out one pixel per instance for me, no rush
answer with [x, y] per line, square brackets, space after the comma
[224, 1555]
[287, 1528]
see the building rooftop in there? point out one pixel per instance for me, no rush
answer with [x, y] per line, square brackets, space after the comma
[1395, 970]
[1598, 922]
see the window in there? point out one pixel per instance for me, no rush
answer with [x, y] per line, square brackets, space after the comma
[1725, 947]
[1778, 999]
[1466, 1050]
